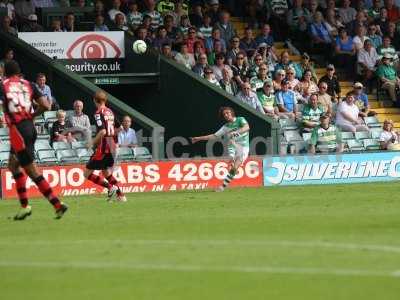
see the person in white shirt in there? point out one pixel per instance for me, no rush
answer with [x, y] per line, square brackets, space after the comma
[127, 135]
[347, 116]
[367, 59]
[389, 139]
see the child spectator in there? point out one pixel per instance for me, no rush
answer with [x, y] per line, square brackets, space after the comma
[57, 132]
[134, 17]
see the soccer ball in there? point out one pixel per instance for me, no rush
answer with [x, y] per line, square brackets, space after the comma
[139, 47]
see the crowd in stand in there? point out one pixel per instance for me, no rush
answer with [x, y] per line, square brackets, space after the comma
[360, 38]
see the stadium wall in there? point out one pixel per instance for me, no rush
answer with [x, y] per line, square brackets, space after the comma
[199, 174]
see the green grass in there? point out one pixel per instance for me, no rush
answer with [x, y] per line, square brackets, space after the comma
[310, 242]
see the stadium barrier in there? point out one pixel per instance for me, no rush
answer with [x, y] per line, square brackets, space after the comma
[331, 169]
[154, 176]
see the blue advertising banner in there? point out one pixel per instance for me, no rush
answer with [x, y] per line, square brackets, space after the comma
[331, 169]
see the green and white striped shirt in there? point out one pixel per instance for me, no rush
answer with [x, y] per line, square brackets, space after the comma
[312, 114]
[242, 140]
[134, 19]
[327, 138]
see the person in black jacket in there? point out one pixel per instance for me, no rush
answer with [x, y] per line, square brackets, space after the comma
[332, 81]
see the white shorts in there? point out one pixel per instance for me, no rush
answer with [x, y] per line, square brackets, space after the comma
[239, 153]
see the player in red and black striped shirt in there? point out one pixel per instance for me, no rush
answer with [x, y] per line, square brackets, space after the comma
[17, 95]
[106, 147]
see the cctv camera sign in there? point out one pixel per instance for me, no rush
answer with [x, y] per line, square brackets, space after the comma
[81, 52]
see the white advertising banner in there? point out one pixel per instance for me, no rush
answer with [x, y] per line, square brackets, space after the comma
[77, 45]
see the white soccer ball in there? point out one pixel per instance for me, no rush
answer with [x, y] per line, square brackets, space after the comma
[139, 47]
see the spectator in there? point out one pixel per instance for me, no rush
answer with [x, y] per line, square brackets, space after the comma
[240, 69]
[32, 24]
[209, 76]
[367, 60]
[345, 52]
[312, 113]
[99, 8]
[121, 25]
[360, 21]
[225, 27]
[116, 9]
[394, 35]
[45, 90]
[142, 34]
[375, 38]
[389, 49]
[361, 100]
[23, 9]
[217, 50]
[184, 57]
[332, 81]
[6, 26]
[389, 139]
[10, 8]
[214, 11]
[278, 10]
[166, 51]
[192, 39]
[279, 77]
[8, 56]
[255, 63]
[333, 23]
[285, 62]
[184, 25]
[388, 77]
[313, 7]
[234, 50]
[55, 25]
[134, 17]
[58, 131]
[348, 115]
[307, 64]
[346, 12]
[360, 38]
[392, 10]
[268, 56]
[383, 21]
[198, 49]
[374, 11]
[169, 26]
[78, 123]
[219, 66]
[215, 36]
[248, 43]
[69, 22]
[178, 13]
[200, 65]
[267, 99]
[298, 19]
[257, 82]
[227, 83]
[308, 86]
[286, 101]
[165, 6]
[196, 17]
[265, 36]
[99, 24]
[127, 135]
[253, 13]
[326, 136]
[324, 99]
[206, 28]
[246, 95]
[161, 38]
[294, 83]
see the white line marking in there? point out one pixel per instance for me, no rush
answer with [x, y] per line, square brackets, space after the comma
[200, 268]
[244, 243]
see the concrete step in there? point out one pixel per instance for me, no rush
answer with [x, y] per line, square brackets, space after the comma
[393, 117]
[387, 110]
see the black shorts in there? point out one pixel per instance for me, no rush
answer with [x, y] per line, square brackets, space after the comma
[22, 140]
[106, 162]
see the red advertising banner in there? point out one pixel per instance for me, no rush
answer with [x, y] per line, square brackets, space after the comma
[142, 177]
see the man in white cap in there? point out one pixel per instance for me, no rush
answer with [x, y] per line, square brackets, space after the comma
[361, 100]
[32, 24]
[388, 76]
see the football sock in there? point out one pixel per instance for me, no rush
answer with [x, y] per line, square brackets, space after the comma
[228, 178]
[111, 180]
[47, 191]
[20, 182]
[99, 180]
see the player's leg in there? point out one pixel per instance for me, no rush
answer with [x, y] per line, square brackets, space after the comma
[239, 155]
[96, 179]
[107, 173]
[20, 183]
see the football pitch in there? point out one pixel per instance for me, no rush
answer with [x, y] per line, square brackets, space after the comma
[306, 242]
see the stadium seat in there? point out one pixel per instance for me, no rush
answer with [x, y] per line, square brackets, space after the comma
[67, 155]
[84, 154]
[47, 156]
[371, 144]
[376, 133]
[39, 120]
[4, 133]
[50, 116]
[372, 122]
[347, 135]
[326, 148]
[4, 158]
[362, 135]
[68, 113]
[78, 145]
[45, 137]
[125, 153]
[355, 145]
[4, 147]
[61, 146]
[142, 153]
[288, 124]
[292, 136]
[41, 145]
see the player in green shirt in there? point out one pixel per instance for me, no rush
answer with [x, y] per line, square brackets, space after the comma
[236, 129]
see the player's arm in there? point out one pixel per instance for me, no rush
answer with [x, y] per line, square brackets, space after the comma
[196, 139]
[98, 137]
[42, 105]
